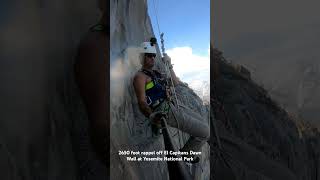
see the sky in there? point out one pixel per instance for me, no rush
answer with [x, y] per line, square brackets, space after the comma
[186, 28]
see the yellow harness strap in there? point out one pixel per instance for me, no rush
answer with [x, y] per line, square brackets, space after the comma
[149, 85]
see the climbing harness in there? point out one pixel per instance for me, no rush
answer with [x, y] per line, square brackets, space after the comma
[155, 90]
[163, 108]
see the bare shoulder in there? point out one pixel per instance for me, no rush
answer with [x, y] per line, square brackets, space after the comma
[139, 76]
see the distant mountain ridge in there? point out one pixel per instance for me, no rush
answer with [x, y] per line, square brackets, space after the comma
[202, 89]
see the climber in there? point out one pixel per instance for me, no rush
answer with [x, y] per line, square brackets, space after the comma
[155, 103]
[92, 78]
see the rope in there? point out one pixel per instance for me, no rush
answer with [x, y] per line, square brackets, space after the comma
[156, 14]
[167, 69]
[166, 63]
[163, 51]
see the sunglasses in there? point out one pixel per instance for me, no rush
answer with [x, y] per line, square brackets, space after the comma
[150, 55]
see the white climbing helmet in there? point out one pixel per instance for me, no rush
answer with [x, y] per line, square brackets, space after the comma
[146, 47]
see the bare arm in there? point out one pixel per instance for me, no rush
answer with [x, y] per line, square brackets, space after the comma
[139, 87]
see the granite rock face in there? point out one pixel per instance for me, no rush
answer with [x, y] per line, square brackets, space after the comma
[258, 139]
[130, 25]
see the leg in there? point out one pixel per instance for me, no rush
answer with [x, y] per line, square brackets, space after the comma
[198, 130]
[192, 113]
